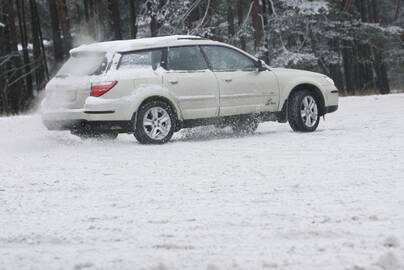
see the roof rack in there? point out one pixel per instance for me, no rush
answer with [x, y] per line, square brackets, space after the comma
[191, 38]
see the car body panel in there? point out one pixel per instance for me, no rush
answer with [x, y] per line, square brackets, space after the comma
[244, 92]
[197, 100]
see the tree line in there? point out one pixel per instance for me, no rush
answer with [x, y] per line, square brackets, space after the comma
[359, 43]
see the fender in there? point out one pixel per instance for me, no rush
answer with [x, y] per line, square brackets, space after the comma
[290, 79]
[143, 92]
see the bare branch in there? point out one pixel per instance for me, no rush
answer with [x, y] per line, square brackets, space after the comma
[24, 75]
[204, 16]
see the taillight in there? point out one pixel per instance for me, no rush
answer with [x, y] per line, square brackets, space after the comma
[99, 89]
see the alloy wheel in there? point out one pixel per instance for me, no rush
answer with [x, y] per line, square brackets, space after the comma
[309, 111]
[157, 123]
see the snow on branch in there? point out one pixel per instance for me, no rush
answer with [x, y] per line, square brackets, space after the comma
[306, 7]
[288, 58]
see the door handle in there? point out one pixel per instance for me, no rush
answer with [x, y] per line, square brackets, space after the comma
[173, 81]
[228, 80]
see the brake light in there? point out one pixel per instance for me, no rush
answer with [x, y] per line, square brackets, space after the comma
[99, 89]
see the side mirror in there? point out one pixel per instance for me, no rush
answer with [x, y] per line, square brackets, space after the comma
[261, 65]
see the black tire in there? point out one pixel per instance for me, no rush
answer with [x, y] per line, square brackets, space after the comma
[140, 131]
[296, 108]
[245, 125]
[86, 135]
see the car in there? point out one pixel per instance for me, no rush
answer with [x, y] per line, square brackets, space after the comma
[154, 87]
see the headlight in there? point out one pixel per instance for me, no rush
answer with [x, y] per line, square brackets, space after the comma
[329, 80]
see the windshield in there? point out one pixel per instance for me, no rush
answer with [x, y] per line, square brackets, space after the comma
[83, 64]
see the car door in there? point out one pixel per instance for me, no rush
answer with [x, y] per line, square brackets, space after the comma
[243, 89]
[192, 82]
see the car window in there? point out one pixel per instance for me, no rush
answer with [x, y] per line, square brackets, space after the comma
[141, 60]
[226, 59]
[81, 64]
[186, 58]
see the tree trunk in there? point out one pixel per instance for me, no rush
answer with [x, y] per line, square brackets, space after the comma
[2, 37]
[86, 10]
[44, 58]
[153, 20]
[27, 95]
[154, 23]
[230, 19]
[381, 73]
[64, 23]
[153, 26]
[36, 46]
[336, 68]
[10, 16]
[41, 74]
[57, 41]
[266, 11]
[133, 10]
[115, 20]
[78, 12]
[347, 54]
[398, 9]
[364, 4]
[380, 65]
[240, 18]
[374, 10]
[10, 48]
[257, 24]
[357, 84]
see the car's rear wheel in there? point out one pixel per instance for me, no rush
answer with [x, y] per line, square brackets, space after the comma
[245, 125]
[303, 111]
[155, 123]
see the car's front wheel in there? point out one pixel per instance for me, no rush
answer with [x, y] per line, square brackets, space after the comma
[303, 111]
[155, 123]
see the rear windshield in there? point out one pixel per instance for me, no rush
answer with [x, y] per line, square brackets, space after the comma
[84, 64]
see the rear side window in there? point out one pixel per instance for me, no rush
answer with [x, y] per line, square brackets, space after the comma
[146, 60]
[227, 59]
[186, 58]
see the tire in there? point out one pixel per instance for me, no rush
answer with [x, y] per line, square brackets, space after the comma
[155, 123]
[303, 111]
[86, 135]
[245, 125]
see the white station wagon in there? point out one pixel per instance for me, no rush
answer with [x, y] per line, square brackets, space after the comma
[154, 87]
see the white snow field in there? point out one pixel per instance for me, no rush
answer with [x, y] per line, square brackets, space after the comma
[333, 199]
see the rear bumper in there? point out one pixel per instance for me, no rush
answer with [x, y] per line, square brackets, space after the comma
[97, 115]
[81, 124]
[94, 109]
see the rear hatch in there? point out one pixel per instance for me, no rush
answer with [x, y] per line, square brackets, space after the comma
[72, 84]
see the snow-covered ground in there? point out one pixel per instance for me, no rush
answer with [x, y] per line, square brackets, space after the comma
[333, 199]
